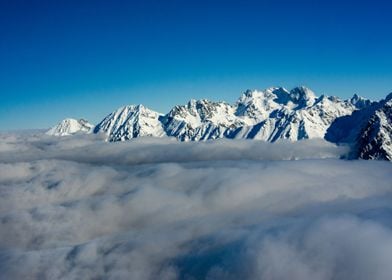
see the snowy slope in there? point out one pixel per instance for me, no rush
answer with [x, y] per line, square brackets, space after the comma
[201, 120]
[270, 115]
[130, 122]
[69, 127]
[255, 106]
[293, 115]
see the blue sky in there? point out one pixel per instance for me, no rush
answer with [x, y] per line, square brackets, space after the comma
[69, 58]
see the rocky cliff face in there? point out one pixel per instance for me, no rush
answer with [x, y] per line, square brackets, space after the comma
[375, 138]
[368, 130]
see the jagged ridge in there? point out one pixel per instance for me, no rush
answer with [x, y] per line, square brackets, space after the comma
[270, 115]
[368, 130]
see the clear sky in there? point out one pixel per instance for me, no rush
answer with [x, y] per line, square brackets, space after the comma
[67, 58]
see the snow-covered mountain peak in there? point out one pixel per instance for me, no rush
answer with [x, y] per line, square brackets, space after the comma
[255, 95]
[70, 126]
[359, 102]
[197, 112]
[131, 108]
[302, 97]
[129, 122]
[294, 114]
[254, 106]
[355, 98]
[299, 95]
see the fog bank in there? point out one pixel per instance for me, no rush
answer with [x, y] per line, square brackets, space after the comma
[80, 208]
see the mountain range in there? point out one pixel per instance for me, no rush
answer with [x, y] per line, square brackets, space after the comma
[270, 115]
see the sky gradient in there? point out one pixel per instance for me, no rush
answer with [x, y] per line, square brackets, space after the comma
[69, 58]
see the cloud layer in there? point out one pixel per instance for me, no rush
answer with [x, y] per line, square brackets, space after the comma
[78, 208]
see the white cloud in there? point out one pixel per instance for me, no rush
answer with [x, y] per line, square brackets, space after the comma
[75, 208]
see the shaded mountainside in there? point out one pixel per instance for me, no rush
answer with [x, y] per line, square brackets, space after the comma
[368, 130]
[375, 141]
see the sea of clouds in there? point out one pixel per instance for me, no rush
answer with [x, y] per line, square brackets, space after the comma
[80, 208]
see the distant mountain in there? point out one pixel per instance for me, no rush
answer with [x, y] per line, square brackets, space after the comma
[69, 127]
[270, 115]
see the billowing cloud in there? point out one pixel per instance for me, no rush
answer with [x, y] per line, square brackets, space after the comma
[79, 208]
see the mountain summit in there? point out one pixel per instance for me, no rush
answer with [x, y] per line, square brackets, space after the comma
[69, 127]
[130, 122]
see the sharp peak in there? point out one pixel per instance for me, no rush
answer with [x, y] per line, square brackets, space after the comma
[301, 87]
[132, 107]
[139, 106]
[253, 92]
[193, 101]
[355, 96]
[388, 97]
[279, 88]
[303, 92]
[68, 119]
[275, 88]
[73, 119]
[272, 88]
[358, 97]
